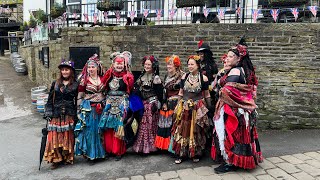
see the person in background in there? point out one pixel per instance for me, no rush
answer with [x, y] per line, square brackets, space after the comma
[90, 105]
[119, 83]
[60, 111]
[191, 122]
[235, 115]
[170, 98]
[150, 89]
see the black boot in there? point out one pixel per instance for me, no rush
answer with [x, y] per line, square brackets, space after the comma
[224, 168]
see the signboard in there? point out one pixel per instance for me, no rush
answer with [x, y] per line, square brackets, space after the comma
[45, 53]
[13, 41]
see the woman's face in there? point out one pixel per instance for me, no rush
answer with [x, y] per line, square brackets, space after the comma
[65, 72]
[92, 69]
[118, 66]
[170, 67]
[148, 66]
[201, 54]
[232, 59]
[192, 65]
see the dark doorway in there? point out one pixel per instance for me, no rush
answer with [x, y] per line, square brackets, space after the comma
[80, 55]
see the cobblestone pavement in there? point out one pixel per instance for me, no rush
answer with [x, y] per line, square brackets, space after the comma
[304, 166]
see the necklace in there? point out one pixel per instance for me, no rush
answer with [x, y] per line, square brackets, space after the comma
[193, 78]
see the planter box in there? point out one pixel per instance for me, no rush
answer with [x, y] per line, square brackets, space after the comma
[110, 5]
[287, 2]
[190, 3]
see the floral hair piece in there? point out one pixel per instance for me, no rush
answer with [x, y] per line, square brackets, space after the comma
[194, 57]
[174, 59]
[239, 50]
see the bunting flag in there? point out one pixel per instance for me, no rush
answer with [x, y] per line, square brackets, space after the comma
[50, 25]
[187, 11]
[95, 18]
[132, 15]
[255, 14]
[314, 10]
[8, 9]
[295, 13]
[206, 12]
[221, 13]
[1, 10]
[146, 12]
[118, 15]
[159, 14]
[274, 13]
[238, 11]
[86, 17]
[172, 13]
[64, 16]
[75, 15]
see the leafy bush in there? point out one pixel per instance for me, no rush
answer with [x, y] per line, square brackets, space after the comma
[57, 10]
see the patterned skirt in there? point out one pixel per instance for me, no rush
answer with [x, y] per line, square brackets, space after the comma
[165, 124]
[145, 142]
[240, 148]
[60, 141]
[189, 129]
[88, 137]
[112, 124]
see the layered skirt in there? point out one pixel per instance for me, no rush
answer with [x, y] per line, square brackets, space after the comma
[165, 123]
[112, 124]
[190, 127]
[147, 132]
[60, 140]
[88, 137]
[241, 147]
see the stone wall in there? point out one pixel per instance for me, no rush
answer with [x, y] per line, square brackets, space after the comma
[286, 57]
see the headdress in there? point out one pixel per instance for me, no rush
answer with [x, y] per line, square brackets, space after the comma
[174, 59]
[113, 55]
[194, 57]
[95, 60]
[66, 63]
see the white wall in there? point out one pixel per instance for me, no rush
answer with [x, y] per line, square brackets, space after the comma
[33, 5]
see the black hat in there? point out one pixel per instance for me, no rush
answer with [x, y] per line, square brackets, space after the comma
[203, 46]
[66, 63]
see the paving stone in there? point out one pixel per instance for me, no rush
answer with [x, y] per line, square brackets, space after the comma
[289, 168]
[123, 179]
[139, 177]
[231, 177]
[278, 173]
[169, 175]
[302, 175]
[265, 177]
[186, 174]
[275, 160]
[313, 163]
[292, 159]
[211, 177]
[314, 155]
[309, 169]
[175, 179]
[257, 171]
[266, 165]
[152, 176]
[246, 175]
[204, 171]
[302, 157]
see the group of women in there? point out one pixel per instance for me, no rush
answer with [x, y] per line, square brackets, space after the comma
[105, 112]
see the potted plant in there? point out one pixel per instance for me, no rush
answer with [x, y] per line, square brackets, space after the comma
[24, 26]
[110, 5]
[57, 10]
[41, 16]
[287, 2]
[32, 22]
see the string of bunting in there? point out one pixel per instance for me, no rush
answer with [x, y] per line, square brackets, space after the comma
[172, 13]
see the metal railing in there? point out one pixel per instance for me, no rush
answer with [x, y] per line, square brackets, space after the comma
[162, 12]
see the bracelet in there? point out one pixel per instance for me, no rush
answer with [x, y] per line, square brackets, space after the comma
[79, 98]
